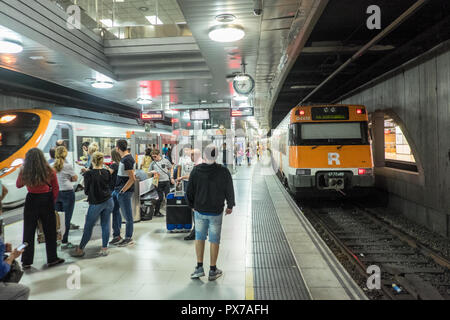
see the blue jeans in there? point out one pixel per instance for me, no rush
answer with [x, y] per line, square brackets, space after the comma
[102, 210]
[208, 224]
[66, 204]
[116, 216]
[124, 200]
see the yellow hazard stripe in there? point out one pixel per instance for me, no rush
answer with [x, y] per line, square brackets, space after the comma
[249, 290]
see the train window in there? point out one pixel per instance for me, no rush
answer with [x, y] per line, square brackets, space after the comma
[397, 152]
[106, 145]
[16, 133]
[335, 133]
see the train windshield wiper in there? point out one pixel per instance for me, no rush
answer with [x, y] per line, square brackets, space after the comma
[315, 147]
[340, 147]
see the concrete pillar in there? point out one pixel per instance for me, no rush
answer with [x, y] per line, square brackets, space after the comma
[378, 138]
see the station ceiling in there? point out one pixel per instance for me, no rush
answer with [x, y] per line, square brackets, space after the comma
[341, 31]
[290, 49]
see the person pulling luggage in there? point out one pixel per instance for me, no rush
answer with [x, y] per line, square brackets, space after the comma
[163, 168]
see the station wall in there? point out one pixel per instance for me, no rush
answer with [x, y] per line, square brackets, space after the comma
[418, 94]
[8, 102]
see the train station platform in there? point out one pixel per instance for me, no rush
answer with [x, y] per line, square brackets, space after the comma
[268, 251]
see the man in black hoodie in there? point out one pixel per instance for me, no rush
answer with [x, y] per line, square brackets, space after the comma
[210, 184]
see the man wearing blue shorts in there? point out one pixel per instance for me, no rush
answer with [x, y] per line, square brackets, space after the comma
[210, 184]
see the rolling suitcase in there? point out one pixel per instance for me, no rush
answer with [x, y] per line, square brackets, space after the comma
[178, 213]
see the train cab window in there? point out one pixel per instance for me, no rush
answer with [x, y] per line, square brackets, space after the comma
[397, 152]
[326, 133]
[16, 131]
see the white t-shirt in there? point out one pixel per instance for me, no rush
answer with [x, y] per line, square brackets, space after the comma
[186, 166]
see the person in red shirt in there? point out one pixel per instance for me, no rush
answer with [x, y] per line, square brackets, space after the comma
[42, 185]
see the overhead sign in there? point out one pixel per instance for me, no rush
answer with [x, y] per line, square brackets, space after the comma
[199, 114]
[152, 115]
[242, 112]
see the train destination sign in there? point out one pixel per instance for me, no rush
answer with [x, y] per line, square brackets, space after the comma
[331, 113]
[152, 115]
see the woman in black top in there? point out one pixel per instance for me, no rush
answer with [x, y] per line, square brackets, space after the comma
[97, 187]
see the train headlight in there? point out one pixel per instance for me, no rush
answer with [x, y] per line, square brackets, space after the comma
[303, 172]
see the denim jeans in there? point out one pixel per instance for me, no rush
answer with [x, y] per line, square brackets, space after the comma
[102, 210]
[66, 203]
[116, 216]
[124, 200]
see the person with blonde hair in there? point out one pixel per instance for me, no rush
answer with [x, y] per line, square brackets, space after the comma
[66, 197]
[93, 147]
[97, 188]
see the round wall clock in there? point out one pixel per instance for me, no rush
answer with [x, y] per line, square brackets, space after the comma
[244, 84]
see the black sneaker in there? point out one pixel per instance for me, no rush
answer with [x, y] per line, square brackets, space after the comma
[125, 242]
[55, 263]
[115, 240]
[191, 236]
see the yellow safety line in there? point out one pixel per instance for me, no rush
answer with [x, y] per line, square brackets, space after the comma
[249, 290]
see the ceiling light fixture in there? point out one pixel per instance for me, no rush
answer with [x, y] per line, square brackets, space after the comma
[10, 46]
[226, 33]
[102, 84]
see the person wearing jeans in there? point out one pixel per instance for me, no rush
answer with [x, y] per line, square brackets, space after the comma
[97, 187]
[116, 217]
[66, 197]
[10, 291]
[164, 170]
[123, 191]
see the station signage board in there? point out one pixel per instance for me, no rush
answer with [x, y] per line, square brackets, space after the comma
[152, 115]
[242, 112]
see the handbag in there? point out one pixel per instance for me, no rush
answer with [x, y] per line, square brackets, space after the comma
[15, 272]
[40, 229]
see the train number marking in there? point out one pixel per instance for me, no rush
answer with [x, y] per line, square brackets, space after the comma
[333, 157]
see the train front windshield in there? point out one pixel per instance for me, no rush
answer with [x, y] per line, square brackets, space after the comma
[325, 133]
[16, 129]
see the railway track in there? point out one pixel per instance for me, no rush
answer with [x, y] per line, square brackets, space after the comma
[409, 269]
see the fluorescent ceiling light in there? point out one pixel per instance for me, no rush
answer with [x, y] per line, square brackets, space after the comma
[107, 22]
[102, 84]
[10, 46]
[154, 20]
[226, 33]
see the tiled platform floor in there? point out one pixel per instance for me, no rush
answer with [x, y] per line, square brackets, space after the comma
[159, 264]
